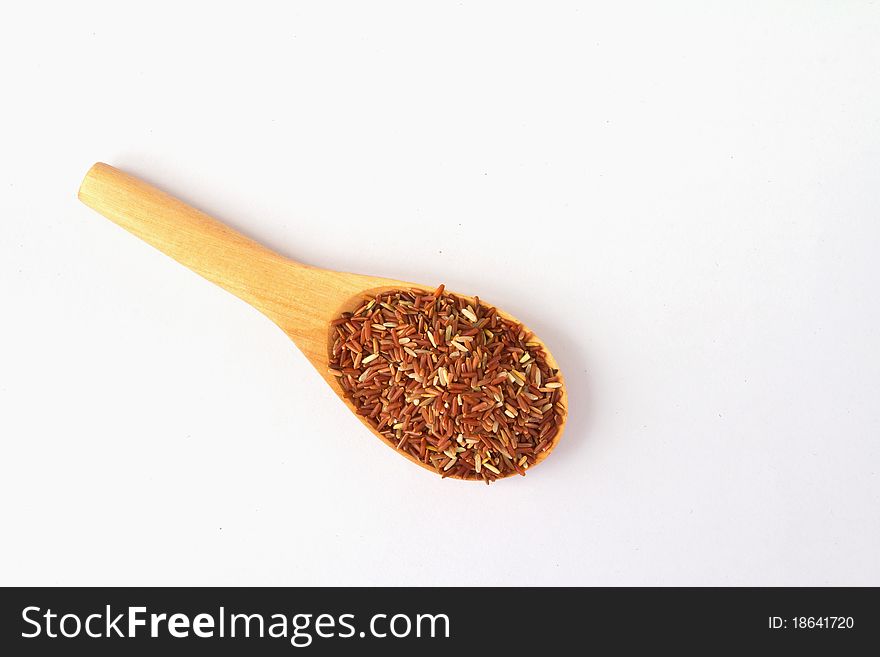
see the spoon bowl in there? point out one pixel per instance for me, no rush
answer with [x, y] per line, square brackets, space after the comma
[302, 300]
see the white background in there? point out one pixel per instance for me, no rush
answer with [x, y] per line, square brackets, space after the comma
[682, 201]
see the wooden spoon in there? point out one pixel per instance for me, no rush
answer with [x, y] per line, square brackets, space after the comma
[300, 299]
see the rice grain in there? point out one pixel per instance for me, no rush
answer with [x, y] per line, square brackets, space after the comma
[458, 387]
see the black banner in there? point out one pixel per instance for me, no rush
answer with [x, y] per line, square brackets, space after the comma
[114, 621]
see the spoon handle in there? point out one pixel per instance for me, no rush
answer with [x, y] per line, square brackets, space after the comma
[213, 250]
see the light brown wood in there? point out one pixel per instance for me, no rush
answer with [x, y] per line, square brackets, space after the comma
[301, 300]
